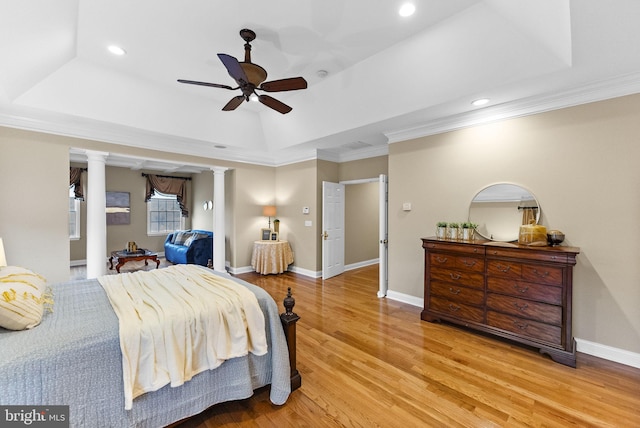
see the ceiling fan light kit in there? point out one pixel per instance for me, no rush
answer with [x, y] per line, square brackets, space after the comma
[251, 77]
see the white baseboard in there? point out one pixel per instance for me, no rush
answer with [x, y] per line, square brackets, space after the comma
[361, 264]
[405, 298]
[608, 353]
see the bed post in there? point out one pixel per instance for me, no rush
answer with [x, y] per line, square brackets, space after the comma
[289, 320]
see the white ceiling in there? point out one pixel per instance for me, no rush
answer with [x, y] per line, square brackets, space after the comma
[389, 78]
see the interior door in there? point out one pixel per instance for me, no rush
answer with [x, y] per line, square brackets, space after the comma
[383, 267]
[332, 229]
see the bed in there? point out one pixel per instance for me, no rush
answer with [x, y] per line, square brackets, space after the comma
[74, 358]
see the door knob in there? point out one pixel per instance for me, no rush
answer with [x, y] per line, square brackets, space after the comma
[325, 235]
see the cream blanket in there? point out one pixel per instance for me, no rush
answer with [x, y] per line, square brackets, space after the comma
[179, 321]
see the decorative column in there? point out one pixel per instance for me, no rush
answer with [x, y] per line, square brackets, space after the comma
[96, 214]
[219, 244]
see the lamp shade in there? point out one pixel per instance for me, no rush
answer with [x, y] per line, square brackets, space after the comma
[3, 259]
[269, 211]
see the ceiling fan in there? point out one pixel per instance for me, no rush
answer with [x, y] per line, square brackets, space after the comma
[251, 77]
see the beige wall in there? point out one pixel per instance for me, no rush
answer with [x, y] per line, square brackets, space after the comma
[361, 222]
[296, 187]
[582, 165]
[34, 221]
[201, 191]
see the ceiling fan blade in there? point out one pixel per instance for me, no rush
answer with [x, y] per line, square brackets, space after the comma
[233, 67]
[213, 85]
[233, 103]
[274, 104]
[290, 84]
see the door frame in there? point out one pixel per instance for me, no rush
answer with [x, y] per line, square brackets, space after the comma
[382, 179]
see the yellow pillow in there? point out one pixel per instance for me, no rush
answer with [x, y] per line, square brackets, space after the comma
[23, 295]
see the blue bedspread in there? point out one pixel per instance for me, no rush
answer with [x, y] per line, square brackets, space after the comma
[73, 358]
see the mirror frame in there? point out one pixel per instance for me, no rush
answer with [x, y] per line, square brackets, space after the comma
[497, 210]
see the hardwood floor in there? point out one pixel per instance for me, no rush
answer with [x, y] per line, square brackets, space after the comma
[369, 362]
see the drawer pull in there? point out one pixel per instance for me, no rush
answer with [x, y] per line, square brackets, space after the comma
[541, 274]
[456, 291]
[455, 275]
[453, 308]
[469, 263]
[520, 325]
[441, 259]
[522, 307]
[522, 290]
[503, 268]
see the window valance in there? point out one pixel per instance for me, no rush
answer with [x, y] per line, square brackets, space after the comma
[75, 179]
[169, 186]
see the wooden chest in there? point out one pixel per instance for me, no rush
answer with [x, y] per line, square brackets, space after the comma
[516, 292]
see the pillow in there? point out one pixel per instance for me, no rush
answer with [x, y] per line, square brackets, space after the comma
[194, 236]
[181, 237]
[23, 295]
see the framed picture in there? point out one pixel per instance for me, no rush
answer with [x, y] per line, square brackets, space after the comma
[118, 209]
[274, 236]
[265, 234]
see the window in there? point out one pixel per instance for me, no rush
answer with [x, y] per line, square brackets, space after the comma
[163, 214]
[74, 215]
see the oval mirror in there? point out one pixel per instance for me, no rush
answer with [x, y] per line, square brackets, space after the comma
[500, 209]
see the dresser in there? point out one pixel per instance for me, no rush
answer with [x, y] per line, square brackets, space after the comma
[516, 292]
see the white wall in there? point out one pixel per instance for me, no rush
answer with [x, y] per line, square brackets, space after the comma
[582, 165]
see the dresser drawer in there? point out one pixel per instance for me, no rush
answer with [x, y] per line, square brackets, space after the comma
[442, 260]
[542, 274]
[445, 260]
[527, 328]
[504, 269]
[527, 290]
[542, 312]
[470, 296]
[458, 277]
[456, 309]
[529, 254]
[474, 264]
[454, 247]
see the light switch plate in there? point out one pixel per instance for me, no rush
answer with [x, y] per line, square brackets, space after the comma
[406, 206]
[308, 223]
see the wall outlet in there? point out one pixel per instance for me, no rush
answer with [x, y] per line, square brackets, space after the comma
[406, 206]
[308, 223]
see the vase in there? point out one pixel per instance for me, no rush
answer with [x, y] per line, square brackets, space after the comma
[467, 234]
[453, 233]
[441, 232]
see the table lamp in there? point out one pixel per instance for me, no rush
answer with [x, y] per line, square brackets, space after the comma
[269, 211]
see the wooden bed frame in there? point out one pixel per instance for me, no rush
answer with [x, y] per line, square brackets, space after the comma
[289, 320]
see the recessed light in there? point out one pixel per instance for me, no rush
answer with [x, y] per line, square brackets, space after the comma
[116, 50]
[407, 9]
[322, 73]
[480, 102]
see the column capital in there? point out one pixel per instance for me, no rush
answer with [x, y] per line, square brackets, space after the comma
[95, 155]
[219, 169]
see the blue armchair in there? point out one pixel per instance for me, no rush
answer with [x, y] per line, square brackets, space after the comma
[189, 247]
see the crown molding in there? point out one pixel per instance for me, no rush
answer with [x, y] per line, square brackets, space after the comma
[627, 84]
